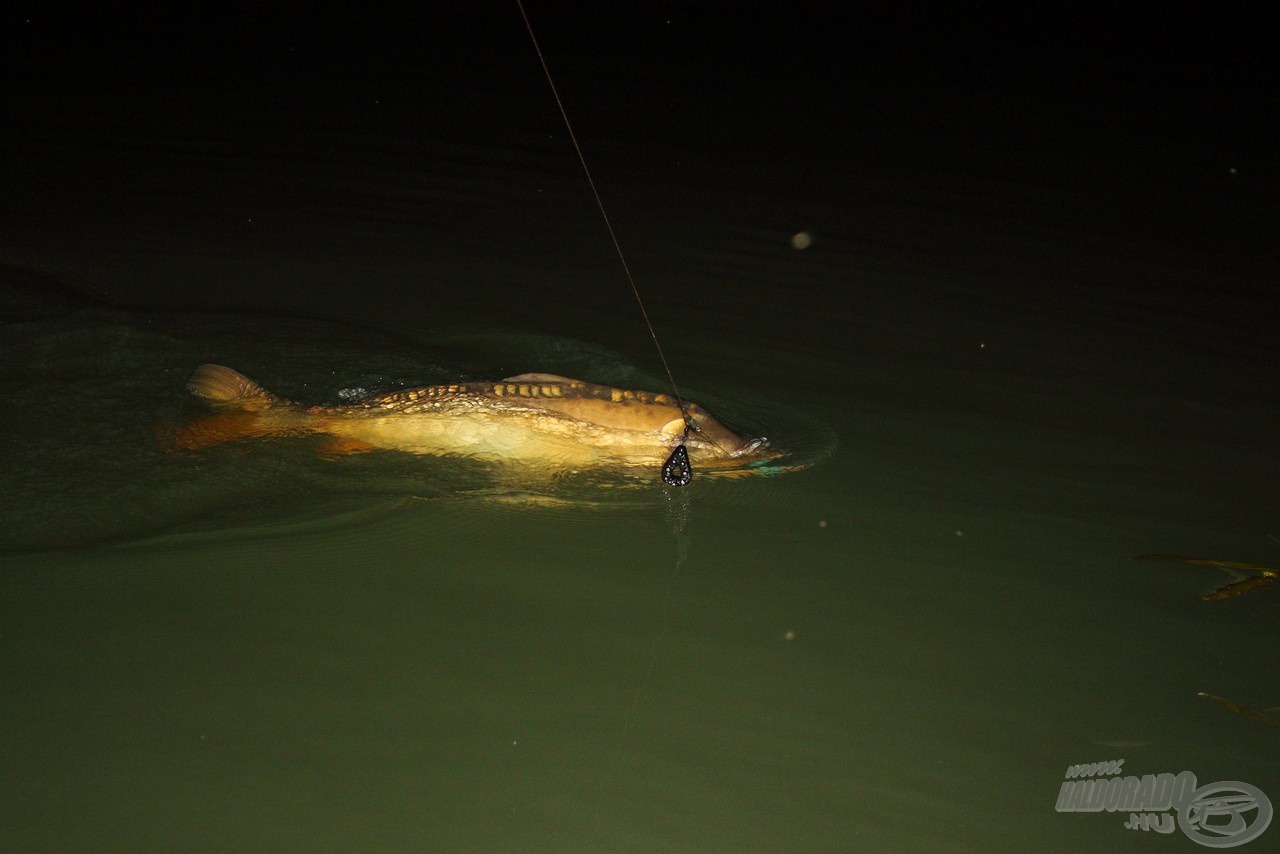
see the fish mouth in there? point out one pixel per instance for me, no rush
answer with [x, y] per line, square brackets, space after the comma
[751, 445]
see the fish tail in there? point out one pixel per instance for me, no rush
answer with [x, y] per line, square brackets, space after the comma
[224, 388]
[242, 410]
[220, 427]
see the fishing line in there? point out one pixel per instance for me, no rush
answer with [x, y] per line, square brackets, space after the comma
[676, 471]
[677, 513]
[677, 517]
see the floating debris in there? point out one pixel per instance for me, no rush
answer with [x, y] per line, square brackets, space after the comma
[1267, 573]
[1251, 714]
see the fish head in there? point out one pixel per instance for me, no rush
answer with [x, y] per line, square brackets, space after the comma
[713, 440]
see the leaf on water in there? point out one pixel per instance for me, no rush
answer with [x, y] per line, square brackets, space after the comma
[1267, 573]
[1238, 587]
[1265, 568]
[1251, 714]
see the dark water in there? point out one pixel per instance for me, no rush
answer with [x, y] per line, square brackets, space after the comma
[1032, 338]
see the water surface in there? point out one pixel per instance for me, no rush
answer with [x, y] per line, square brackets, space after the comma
[1028, 341]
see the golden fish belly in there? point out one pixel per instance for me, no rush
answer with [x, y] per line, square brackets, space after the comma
[501, 435]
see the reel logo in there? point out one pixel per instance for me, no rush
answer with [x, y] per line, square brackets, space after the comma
[1217, 815]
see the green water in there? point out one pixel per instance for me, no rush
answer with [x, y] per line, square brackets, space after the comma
[1006, 378]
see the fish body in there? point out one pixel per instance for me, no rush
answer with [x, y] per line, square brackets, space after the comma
[542, 420]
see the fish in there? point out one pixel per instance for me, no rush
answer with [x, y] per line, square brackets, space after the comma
[540, 421]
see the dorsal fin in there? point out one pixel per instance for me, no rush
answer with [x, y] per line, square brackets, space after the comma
[225, 388]
[540, 378]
